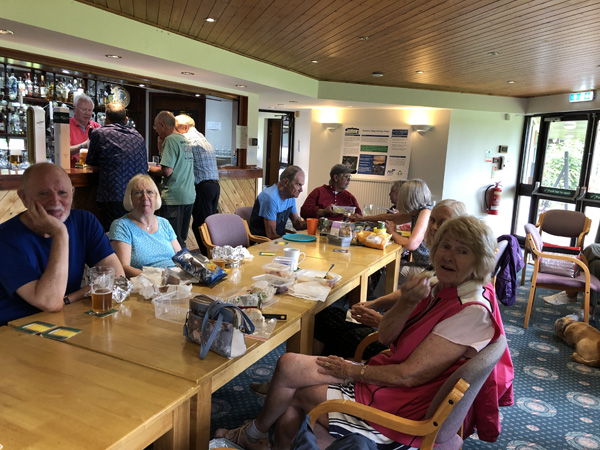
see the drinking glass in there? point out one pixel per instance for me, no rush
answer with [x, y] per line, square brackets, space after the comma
[101, 284]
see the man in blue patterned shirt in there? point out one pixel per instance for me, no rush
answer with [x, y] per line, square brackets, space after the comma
[206, 175]
[119, 152]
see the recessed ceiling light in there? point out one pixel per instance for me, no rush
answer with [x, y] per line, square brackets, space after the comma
[141, 85]
[349, 106]
[241, 85]
[292, 101]
[187, 73]
[314, 61]
[493, 53]
[364, 38]
[377, 74]
[419, 71]
[197, 95]
[113, 56]
[65, 71]
[511, 82]
[271, 107]
[210, 20]
[5, 31]
[280, 104]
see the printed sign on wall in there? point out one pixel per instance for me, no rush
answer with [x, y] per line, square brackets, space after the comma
[377, 153]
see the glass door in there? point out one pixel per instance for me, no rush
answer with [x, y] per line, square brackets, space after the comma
[556, 172]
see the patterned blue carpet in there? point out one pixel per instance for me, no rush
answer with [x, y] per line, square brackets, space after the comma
[557, 401]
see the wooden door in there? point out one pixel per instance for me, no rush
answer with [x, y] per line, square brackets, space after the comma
[274, 136]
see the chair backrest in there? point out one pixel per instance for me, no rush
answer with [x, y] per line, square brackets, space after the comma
[531, 229]
[501, 249]
[227, 229]
[475, 372]
[244, 212]
[560, 222]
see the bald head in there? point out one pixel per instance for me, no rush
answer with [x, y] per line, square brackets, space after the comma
[116, 113]
[50, 186]
[183, 123]
[164, 123]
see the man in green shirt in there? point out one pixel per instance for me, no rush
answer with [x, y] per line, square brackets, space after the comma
[177, 169]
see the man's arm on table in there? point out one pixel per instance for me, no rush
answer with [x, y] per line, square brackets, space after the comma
[271, 229]
[297, 222]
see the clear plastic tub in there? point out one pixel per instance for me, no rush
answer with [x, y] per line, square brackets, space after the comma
[280, 270]
[317, 275]
[281, 285]
[172, 308]
[344, 209]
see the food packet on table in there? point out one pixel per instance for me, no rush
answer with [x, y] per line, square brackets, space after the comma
[378, 241]
[148, 283]
[259, 295]
[263, 328]
[227, 256]
[361, 237]
[121, 289]
[199, 266]
[176, 275]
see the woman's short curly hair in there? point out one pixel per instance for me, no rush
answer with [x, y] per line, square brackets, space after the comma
[476, 235]
[136, 182]
[413, 195]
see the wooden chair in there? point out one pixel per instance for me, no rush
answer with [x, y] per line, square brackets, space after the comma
[558, 222]
[227, 229]
[584, 282]
[447, 411]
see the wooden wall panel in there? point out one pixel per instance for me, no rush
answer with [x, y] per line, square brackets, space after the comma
[10, 205]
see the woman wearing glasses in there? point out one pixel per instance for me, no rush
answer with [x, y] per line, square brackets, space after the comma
[140, 238]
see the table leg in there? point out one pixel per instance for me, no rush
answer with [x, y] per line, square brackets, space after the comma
[302, 342]
[392, 271]
[200, 417]
[359, 294]
[178, 437]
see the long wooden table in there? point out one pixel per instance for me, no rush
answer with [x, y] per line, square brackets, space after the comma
[54, 395]
[135, 335]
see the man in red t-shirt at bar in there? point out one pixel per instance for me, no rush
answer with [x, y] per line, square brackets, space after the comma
[80, 125]
[321, 202]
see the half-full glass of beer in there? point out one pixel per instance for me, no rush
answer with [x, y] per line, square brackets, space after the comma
[101, 283]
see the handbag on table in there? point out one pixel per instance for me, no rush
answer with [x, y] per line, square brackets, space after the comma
[217, 326]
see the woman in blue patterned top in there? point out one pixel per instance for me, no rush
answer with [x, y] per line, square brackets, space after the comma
[140, 238]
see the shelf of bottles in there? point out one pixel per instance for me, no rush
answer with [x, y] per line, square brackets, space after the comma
[21, 87]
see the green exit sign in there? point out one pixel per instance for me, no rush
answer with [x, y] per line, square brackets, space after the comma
[581, 96]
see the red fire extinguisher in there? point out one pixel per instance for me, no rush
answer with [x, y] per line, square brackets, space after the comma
[492, 203]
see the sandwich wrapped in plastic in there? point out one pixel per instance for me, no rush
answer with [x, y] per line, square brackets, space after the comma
[259, 295]
[263, 328]
[199, 266]
[378, 240]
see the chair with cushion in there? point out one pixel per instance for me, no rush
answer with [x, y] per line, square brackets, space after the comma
[584, 282]
[559, 222]
[447, 411]
[227, 229]
[244, 212]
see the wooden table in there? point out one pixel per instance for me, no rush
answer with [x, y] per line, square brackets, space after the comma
[370, 258]
[54, 395]
[135, 335]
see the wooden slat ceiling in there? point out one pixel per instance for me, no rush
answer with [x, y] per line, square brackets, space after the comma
[475, 46]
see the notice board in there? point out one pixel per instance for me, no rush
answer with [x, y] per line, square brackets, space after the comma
[377, 153]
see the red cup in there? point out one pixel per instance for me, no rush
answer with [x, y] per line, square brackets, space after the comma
[311, 226]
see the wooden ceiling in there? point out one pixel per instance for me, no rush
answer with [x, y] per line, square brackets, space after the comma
[475, 46]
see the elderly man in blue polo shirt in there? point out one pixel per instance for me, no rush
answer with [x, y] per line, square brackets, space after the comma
[277, 203]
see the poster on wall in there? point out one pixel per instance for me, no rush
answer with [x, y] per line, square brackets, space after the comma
[377, 153]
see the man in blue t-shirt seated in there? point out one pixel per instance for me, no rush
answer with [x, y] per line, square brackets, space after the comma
[276, 204]
[45, 249]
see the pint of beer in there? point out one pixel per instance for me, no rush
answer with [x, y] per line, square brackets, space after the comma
[101, 284]
[83, 156]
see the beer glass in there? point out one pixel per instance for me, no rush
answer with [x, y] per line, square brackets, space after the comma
[101, 284]
[83, 156]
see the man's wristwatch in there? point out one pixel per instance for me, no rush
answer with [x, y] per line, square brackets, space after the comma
[66, 300]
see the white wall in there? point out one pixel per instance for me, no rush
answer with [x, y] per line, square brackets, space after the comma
[467, 175]
[224, 112]
[427, 151]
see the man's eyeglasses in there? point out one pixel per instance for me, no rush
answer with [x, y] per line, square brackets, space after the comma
[347, 177]
[141, 192]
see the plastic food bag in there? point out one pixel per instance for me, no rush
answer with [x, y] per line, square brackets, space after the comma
[199, 266]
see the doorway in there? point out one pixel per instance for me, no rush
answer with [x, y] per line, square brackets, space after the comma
[559, 169]
[278, 144]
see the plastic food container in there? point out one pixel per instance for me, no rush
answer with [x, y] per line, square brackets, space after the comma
[317, 275]
[280, 270]
[342, 241]
[344, 209]
[171, 308]
[281, 285]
